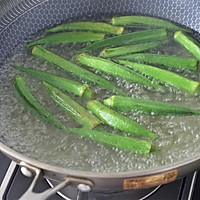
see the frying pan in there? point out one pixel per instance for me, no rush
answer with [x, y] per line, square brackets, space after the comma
[21, 19]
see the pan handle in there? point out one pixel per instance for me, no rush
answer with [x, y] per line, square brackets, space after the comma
[7, 178]
[29, 194]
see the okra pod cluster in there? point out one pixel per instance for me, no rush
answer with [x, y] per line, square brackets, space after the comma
[127, 39]
[73, 68]
[74, 109]
[114, 69]
[117, 120]
[112, 140]
[126, 46]
[65, 84]
[33, 104]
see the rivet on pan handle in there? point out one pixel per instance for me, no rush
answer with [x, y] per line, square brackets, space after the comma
[29, 194]
[150, 181]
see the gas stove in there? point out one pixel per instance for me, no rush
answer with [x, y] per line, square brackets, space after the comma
[14, 184]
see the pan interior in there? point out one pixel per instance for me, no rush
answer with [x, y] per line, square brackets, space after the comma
[179, 136]
[23, 132]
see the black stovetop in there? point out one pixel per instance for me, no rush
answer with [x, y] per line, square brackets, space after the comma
[187, 188]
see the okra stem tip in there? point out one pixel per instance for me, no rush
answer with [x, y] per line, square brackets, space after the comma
[197, 89]
[17, 77]
[91, 101]
[46, 84]
[177, 33]
[120, 31]
[112, 21]
[80, 55]
[102, 53]
[34, 48]
[87, 92]
[109, 102]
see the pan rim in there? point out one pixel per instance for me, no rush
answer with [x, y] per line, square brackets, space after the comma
[80, 173]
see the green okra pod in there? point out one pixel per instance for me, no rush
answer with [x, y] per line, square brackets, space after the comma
[163, 60]
[28, 105]
[128, 39]
[65, 84]
[90, 26]
[114, 140]
[146, 21]
[69, 37]
[114, 69]
[128, 104]
[188, 43]
[33, 104]
[117, 120]
[164, 76]
[74, 69]
[118, 51]
[74, 109]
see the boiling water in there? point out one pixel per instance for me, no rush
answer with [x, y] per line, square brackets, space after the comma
[25, 133]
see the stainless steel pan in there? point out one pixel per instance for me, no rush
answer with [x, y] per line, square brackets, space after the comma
[23, 18]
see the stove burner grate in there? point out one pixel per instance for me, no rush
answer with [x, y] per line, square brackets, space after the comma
[72, 193]
[13, 184]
